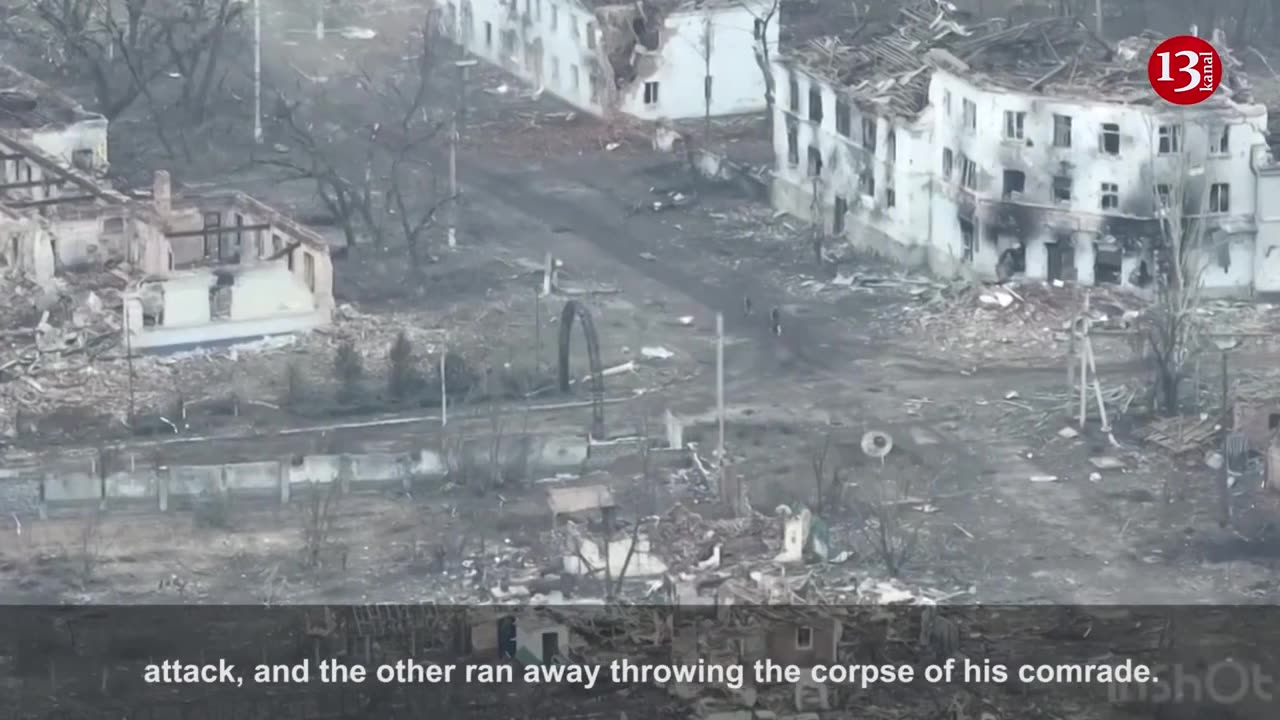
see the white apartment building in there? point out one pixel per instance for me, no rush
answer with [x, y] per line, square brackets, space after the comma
[671, 59]
[1032, 149]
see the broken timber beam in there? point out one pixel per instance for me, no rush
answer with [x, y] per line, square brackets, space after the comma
[1048, 76]
[221, 230]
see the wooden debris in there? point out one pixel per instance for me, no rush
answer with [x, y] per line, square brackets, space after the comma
[1179, 435]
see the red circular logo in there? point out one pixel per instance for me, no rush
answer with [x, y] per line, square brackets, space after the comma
[1185, 70]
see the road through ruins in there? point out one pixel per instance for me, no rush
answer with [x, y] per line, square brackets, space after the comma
[226, 365]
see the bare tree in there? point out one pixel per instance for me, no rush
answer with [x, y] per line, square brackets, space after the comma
[380, 180]
[764, 56]
[124, 47]
[827, 486]
[707, 43]
[348, 370]
[402, 373]
[1172, 324]
[91, 547]
[318, 525]
[883, 503]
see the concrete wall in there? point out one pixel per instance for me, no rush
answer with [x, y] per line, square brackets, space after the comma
[1266, 265]
[63, 142]
[681, 65]
[559, 27]
[860, 166]
[266, 300]
[952, 227]
[559, 44]
[77, 481]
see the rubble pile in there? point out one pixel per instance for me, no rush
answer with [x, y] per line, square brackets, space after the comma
[1011, 321]
[506, 109]
[51, 340]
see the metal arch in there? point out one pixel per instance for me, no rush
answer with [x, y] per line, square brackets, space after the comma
[573, 309]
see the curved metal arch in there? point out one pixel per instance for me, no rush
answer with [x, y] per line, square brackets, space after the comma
[573, 309]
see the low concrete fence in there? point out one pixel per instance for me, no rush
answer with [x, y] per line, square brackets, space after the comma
[127, 483]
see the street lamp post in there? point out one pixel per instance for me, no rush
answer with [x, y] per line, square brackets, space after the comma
[257, 71]
[458, 110]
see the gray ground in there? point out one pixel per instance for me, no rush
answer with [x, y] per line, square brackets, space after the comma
[537, 183]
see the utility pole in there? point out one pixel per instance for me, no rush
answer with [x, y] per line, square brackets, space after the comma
[459, 109]
[128, 355]
[720, 382]
[257, 71]
[1224, 483]
[1225, 345]
[1097, 16]
[444, 392]
[706, 80]
[537, 333]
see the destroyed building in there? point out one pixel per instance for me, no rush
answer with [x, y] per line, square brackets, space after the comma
[37, 114]
[665, 59]
[988, 150]
[200, 269]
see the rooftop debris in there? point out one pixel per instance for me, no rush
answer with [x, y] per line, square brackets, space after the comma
[1060, 56]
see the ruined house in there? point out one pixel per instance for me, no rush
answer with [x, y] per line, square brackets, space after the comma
[655, 59]
[988, 150]
[203, 269]
[51, 121]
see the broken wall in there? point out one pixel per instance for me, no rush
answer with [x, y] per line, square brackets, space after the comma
[213, 306]
[1266, 268]
[26, 249]
[542, 43]
[681, 64]
[75, 143]
[856, 172]
[805, 644]
[584, 557]
[1258, 419]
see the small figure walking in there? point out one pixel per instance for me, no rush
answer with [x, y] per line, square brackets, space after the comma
[746, 306]
[775, 317]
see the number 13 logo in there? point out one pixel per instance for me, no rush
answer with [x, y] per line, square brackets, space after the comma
[1188, 60]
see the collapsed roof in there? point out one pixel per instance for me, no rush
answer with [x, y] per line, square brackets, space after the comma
[1059, 56]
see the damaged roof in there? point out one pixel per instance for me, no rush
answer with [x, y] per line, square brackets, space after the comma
[28, 104]
[890, 69]
[57, 172]
[94, 196]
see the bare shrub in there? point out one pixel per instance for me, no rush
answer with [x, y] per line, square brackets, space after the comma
[348, 370]
[828, 482]
[402, 376]
[884, 505]
[318, 523]
[295, 387]
[213, 511]
[91, 548]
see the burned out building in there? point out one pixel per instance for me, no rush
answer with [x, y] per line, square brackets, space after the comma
[201, 269]
[989, 150]
[657, 59]
[37, 114]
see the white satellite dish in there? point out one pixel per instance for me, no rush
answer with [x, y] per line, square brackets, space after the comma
[876, 444]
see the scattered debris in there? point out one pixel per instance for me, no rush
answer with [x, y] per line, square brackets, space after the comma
[1106, 462]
